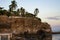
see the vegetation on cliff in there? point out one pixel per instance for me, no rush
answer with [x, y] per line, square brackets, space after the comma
[12, 11]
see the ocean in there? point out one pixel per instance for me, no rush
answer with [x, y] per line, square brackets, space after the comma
[55, 36]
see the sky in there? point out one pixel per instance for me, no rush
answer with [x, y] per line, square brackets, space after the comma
[49, 10]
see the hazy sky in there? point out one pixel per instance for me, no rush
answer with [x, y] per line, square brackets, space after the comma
[49, 9]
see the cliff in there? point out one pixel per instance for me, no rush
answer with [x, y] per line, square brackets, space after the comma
[21, 25]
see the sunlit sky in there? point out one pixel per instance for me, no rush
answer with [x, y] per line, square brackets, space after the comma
[49, 10]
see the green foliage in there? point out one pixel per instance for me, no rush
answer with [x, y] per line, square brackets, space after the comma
[1, 8]
[22, 11]
[0, 12]
[13, 5]
[16, 13]
[29, 14]
[36, 11]
[5, 12]
[8, 14]
[19, 12]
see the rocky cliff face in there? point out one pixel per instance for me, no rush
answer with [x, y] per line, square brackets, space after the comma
[26, 25]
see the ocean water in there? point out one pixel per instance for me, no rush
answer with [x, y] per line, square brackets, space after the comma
[56, 37]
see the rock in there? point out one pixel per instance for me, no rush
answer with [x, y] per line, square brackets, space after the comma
[18, 26]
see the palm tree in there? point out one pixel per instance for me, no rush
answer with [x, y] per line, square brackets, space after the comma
[36, 11]
[18, 12]
[13, 5]
[22, 11]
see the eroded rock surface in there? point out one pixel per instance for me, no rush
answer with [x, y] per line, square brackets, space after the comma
[25, 28]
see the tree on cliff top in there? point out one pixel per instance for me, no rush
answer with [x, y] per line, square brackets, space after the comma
[22, 11]
[36, 11]
[13, 5]
[19, 12]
